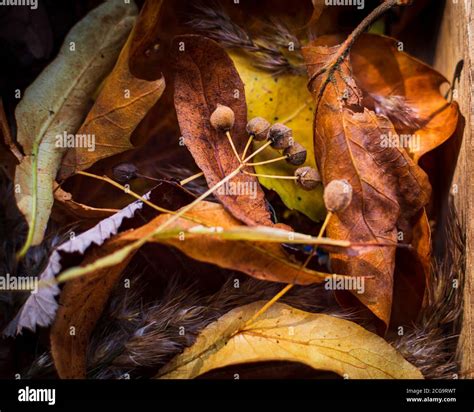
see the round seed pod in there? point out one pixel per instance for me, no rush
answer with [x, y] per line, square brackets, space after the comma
[124, 172]
[258, 128]
[337, 195]
[222, 118]
[307, 177]
[296, 154]
[280, 136]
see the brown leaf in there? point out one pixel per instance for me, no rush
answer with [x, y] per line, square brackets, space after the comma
[146, 41]
[81, 304]
[388, 187]
[412, 274]
[122, 103]
[265, 261]
[407, 90]
[206, 77]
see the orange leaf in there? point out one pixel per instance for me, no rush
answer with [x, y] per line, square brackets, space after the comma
[389, 188]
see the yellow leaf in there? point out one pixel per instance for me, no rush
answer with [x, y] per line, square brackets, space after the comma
[282, 99]
[286, 334]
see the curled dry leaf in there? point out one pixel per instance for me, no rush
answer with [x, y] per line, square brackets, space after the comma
[389, 189]
[262, 260]
[122, 103]
[205, 77]
[257, 258]
[55, 104]
[406, 90]
[286, 334]
[146, 41]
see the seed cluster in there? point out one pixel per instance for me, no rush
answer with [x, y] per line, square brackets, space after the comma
[281, 138]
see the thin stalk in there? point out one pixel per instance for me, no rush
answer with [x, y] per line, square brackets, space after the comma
[265, 162]
[288, 287]
[126, 190]
[229, 137]
[247, 146]
[271, 176]
[115, 257]
[263, 147]
[191, 178]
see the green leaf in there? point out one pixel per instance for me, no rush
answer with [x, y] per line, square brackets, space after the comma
[57, 102]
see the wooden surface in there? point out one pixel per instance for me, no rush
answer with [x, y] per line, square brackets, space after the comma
[456, 42]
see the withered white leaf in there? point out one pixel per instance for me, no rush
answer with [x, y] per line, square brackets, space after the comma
[40, 308]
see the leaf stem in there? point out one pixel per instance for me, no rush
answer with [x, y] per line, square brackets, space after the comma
[34, 203]
[263, 147]
[346, 46]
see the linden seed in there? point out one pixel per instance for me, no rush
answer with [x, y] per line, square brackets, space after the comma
[281, 136]
[222, 118]
[307, 177]
[337, 195]
[258, 128]
[296, 154]
[124, 172]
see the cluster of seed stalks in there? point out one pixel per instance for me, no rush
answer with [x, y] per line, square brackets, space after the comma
[337, 193]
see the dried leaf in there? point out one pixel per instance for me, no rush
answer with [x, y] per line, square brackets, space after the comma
[206, 77]
[146, 41]
[257, 258]
[388, 187]
[406, 90]
[262, 260]
[286, 334]
[81, 304]
[55, 104]
[6, 134]
[122, 103]
[282, 99]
